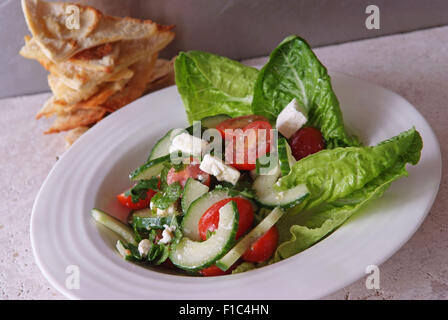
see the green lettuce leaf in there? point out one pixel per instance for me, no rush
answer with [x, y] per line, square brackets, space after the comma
[346, 189]
[335, 174]
[293, 71]
[210, 84]
[243, 267]
[300, 231]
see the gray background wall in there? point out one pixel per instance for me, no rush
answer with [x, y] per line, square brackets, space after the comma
[234, 28]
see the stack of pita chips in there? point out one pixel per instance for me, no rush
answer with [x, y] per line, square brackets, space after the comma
[96, 69]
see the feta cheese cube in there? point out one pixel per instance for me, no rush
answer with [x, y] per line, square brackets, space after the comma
[167, 234]
[291, 119]
[188, 144]
[164, 212]
[143, 247]
[219, 169]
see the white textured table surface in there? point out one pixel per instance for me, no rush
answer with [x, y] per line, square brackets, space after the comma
[415, 65]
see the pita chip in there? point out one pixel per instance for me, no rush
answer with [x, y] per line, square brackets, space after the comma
[135, 87]
[77, 118]
[47, 23]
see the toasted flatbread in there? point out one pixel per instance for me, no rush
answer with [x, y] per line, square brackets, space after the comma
[104, 63]
[136, 85]
[78, 78]
[47, 22]
[54, 106]
[75, 119]
[162, 76]
[66, 95]
[74, 135]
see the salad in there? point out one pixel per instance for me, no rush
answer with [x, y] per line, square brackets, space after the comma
[265, 170]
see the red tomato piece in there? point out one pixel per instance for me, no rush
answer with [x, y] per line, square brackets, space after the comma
[306, 141]
[262, 249]
[210, 219]
[190, 171]
[168, 264]
[238, 123]
[214, 271]
[127, 200]
[243, 157]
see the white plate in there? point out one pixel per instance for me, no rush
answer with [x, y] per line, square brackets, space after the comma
[95, 169]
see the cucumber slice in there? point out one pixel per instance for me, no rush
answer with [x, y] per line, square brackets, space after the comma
[154, 167]
[213, 121]
[122, 250]
[113, 224]
[150, 169]
[195, 255]
[283, 158]
[145, 219]
[162, 147]
[241, 247]
[197, 208]
[263, 164]
[193, 189]
[268, 197]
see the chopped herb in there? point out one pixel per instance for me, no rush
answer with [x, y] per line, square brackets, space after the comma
[242, 188]
[164, 199]
[209, 234]
[140, 190]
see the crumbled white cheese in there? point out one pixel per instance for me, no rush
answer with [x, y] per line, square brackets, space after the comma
[188, 144]
[172, 209]
[168, 211]
[143, 247]
[219, 169]
[122, 250]
[167, 234]
[291, 119]
[280, 195]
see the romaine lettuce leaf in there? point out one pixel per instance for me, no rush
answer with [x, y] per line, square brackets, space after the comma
[293, 71]
[335, 174]
[210, 84]
[346, 187]
[300, 231]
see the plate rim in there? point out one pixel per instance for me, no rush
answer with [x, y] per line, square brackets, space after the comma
[72, 293]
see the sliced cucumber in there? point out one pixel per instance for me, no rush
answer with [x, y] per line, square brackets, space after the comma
[123, 250]
[241, 247]
[162, 147]
[268, 197]
[113, 224]
[153, 168]
[197, 208]
[283, 158]
[193, 189]
[213, 121]
[150, 169]
[263, 164]
[145, 219]
[195, 255]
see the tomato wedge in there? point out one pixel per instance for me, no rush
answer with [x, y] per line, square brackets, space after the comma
[215, 271]
[244, 146]
[126, 200]
[210, 219]
[262, 249]
[238, 123]
[306, 141]
[190, 171]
